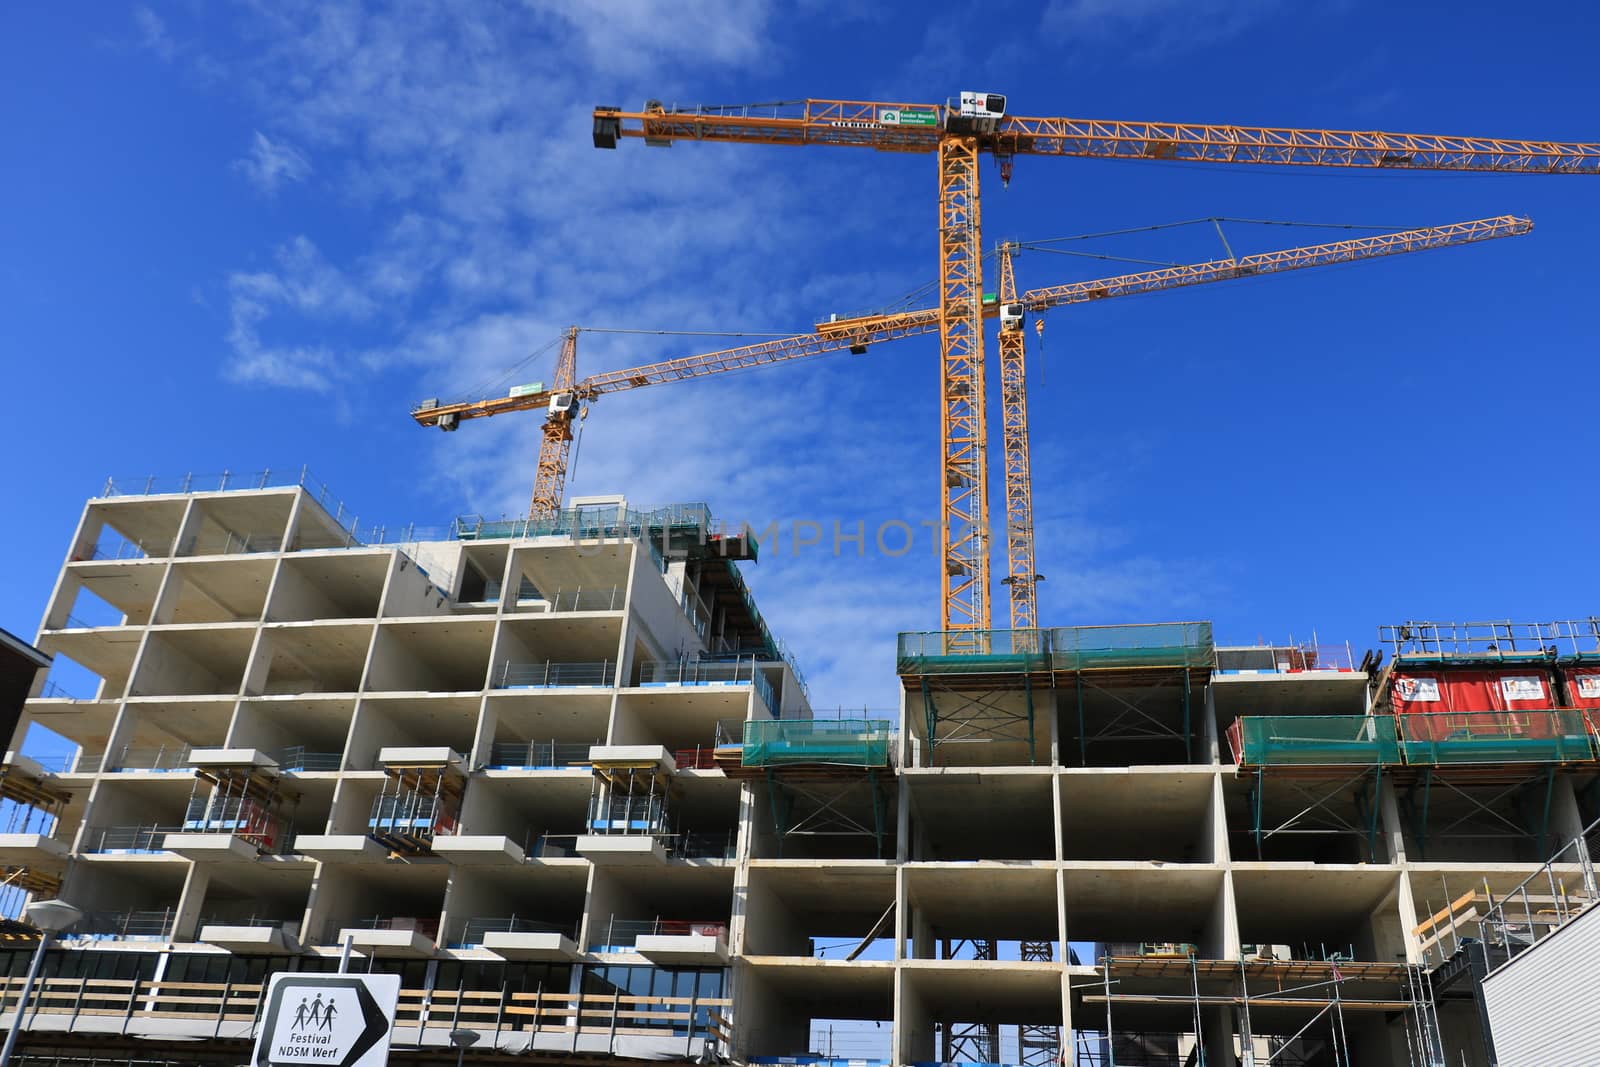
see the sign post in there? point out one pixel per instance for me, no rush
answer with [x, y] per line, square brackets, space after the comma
[343, 1020]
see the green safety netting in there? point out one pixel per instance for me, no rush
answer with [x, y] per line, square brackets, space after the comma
[1062, 648]
[1318, 739]
[852, 742]
[1556, 736]
[1495, 737]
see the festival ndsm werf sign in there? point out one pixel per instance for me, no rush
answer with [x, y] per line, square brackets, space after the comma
[338, 1019]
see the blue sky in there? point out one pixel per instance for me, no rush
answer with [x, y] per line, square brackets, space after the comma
[253, 235]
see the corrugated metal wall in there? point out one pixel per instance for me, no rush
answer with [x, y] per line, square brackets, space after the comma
[1544, 1006]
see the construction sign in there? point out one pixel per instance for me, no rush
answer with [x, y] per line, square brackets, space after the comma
[338, 1019]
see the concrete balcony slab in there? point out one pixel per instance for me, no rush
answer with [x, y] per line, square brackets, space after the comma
[347, 848]
[683, 949]
[413, 944]
[479, 850]
[621, 850]
[511, 945]
[212, 848]
[25, 849]
[414, 756]
[231, 757]
[249, 940]
[657, 756]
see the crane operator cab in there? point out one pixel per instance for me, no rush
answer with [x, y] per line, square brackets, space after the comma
[976, 113]
[1010, 317]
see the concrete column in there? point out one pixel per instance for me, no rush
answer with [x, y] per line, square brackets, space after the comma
[483, 736]
[1223, 925]
[1217, 822]
[1221, 1028]
[1566, 822]
[185, 923]
[1407, 905]
[1393, 834]
[1210, 749]
[913, 1025]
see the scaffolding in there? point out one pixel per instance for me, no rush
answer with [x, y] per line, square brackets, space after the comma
[246, 801]
[418, 802]
[1508, 922]
[1486, 761]
[33, 804]
[1134, 683]
[1303, 1008]
[1498, 641]
[822, 777]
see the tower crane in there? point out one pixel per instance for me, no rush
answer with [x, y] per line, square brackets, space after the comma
[567, 398]
[958, 132]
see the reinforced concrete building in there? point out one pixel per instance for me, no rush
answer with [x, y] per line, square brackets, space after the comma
[562, 778]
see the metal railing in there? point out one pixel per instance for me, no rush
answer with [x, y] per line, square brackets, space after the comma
[137, 758]
[119, 546]
[539, 755]
[627, 813]
[229, 481]
[296, 758]
[1562, 888]
[473, 931]
[230, 543]
[625, 933]
[740, 670]
[130, 838]
[704, 845]
[52, 691]
[1496, 639]
[428, 927]
[581, 599]
[56, 763]
[547, 845]
[549, 675]
[1286, 659]
[135, 925]
[494, 587]
[259, 922]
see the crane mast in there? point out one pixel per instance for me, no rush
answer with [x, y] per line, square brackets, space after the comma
[1021, 576]
[958, 133]
[550, 480]
[963, 384]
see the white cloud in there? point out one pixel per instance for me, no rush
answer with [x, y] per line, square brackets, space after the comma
[304, 282]
[153, 35]
[1150, 29]
[271, 163]
[636, 36]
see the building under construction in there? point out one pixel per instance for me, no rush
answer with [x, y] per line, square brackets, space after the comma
[561, 777]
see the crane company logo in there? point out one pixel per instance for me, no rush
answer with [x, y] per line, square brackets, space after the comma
[328, 1019]
[905, 116]
[1418, 690]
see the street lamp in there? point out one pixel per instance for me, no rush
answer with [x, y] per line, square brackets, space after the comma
[50, 917]
[461, 1039]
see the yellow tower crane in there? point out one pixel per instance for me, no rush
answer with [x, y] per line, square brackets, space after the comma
[958, 132]
[567, 398]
